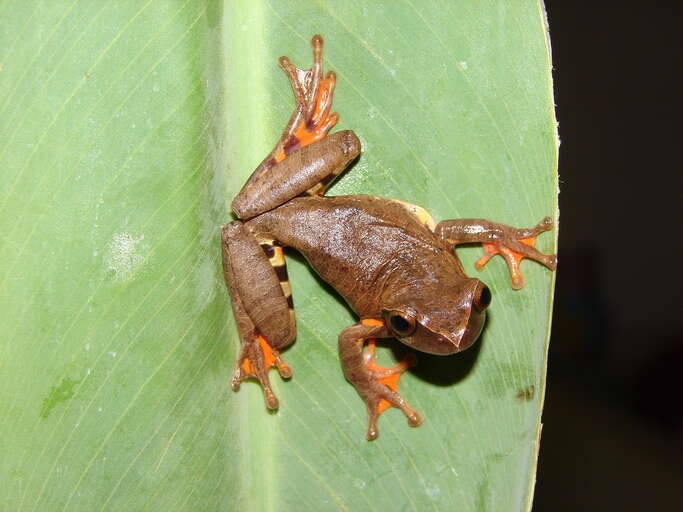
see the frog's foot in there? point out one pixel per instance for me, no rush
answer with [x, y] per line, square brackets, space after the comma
[254, 361]
[382, 391]
[313, 91]
[515, 245]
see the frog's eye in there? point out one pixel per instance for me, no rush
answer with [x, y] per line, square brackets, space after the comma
[401, 323]
[482, 297]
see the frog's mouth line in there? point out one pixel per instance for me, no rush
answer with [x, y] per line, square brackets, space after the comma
[443, 343]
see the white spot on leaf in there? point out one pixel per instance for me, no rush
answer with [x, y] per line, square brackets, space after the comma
[123, 256]
[433, 491]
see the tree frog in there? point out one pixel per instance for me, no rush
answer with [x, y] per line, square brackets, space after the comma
[391, 262]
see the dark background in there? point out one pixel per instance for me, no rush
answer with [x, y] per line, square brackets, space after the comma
[613, 421]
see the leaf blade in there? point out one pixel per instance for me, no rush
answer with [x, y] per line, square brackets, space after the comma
[127, 127]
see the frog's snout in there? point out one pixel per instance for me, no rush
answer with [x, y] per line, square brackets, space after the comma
[481, 299]
[448, 324]
[475, 324]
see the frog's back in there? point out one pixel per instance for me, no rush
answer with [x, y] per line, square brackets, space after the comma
[355, 243]
[360, 223]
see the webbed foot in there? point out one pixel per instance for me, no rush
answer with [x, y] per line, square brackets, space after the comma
[383, 390]
[254, 361]
[514, 245]
[313, 92]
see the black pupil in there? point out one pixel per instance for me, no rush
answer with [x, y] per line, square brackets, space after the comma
[485, 296]
[399, 324]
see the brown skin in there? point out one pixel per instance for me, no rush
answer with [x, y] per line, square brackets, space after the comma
[395, 268]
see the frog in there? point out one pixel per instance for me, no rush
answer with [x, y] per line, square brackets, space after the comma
[396, 268]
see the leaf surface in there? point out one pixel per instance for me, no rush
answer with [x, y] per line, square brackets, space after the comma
[126, 129]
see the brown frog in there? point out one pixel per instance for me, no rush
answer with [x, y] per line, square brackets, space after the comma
[394, 266]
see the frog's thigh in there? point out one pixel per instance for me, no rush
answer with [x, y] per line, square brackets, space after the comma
[305, 171]
[256, 272]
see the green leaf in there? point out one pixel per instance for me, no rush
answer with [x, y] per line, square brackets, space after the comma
[125, 130]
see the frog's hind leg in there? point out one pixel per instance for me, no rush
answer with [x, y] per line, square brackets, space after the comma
[305, 159]
[256, 275]
[313, 92]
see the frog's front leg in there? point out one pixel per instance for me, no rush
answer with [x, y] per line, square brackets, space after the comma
[513, 244]
[256, 276]
[377, 386]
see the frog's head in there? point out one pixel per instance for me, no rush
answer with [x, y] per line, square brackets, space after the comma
[440, 319]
